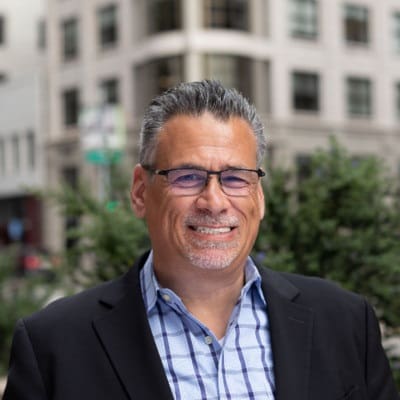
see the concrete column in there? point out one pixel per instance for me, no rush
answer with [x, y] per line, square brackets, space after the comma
[192, 19]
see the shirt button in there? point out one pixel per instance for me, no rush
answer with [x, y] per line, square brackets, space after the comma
[166, 297]
[208, 340]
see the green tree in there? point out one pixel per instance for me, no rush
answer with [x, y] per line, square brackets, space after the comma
[18, 297]
[341, 222]
[107, 237]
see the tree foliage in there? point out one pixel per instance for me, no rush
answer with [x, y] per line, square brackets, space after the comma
[341, 222]
[106, 237]
[18, 297]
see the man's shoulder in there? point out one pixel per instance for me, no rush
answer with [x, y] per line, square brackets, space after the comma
[87, 304]
[313, 291]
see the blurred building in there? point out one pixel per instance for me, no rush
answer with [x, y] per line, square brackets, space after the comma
[22, 108]
[314, 68]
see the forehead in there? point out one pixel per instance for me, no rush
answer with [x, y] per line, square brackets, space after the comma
[204, 138]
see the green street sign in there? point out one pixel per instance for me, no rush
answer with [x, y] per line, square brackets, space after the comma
[103, 157]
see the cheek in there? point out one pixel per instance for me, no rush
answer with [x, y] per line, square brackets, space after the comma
[165, 213]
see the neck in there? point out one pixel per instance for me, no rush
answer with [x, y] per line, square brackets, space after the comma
[210, 295]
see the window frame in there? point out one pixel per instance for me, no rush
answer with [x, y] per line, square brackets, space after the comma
[312, 97]
[2, 30]
[355, 108]
[31, 149]
[396, 31]
[3, 163]
[41, 34]
[296, 16]
[356, 32]
[163, 16]
[70, 39]
[16, 153]
[233, 71]
[221, 14]
[107, 97]
[397, 100]
[70, 117]
[107, 20]
[155, 76]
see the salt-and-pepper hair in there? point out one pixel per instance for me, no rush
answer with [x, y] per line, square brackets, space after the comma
[194, 99]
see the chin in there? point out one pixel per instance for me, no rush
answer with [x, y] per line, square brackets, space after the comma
[211, 260]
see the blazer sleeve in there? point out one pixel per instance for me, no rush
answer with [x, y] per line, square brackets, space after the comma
[380, 384]
[24, 379]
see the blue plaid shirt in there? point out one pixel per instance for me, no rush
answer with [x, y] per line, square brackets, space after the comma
[198, 365]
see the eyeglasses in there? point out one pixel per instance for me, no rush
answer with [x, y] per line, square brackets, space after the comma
[191, 181]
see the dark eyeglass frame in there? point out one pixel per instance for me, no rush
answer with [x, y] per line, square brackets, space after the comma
[230, 191]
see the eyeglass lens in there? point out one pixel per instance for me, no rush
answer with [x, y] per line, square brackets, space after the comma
[192, 181]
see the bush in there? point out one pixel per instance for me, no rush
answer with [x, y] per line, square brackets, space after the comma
[340, 222]
[18, 297]
[106, 236]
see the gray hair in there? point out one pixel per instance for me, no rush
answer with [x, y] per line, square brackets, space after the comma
[194, 99]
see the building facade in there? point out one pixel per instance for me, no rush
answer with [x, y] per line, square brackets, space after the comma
[22, 116]
[314, 68]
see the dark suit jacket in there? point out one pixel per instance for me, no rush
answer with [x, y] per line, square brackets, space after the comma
[98, 345]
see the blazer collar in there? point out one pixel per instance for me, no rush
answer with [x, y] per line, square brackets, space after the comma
[126, 337]
[291, 326]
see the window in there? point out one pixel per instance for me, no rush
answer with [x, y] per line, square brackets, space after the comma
[108, 26]
[304, 19]
[70, 39]
[41, 34]
[2, 30]
[359, 97]
[30, 149]
[397, 100]
[226, 14]
[155, 77]
[15, 153]
[163, 15]
[305, 91]
[109, 91]
[232, 71]
[2, 157]
[396, 32]
[70, 107]
[356, 21]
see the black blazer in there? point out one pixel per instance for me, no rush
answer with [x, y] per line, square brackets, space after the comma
[98, 345]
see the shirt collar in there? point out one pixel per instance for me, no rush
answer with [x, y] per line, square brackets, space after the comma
[151, 287]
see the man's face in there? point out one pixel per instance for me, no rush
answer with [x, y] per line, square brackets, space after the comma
[210, 230]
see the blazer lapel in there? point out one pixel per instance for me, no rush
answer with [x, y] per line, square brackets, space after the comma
[127, 339]
[291, 336]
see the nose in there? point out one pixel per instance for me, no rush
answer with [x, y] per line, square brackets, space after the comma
[212, 198]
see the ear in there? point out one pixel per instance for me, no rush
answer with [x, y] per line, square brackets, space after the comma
[138, 191]
[261, 200]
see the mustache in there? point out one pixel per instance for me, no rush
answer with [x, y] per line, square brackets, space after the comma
[209, 220]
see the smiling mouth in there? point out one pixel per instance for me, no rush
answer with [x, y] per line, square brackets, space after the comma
[211, 230]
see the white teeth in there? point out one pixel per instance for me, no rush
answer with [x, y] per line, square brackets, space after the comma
[212, 231]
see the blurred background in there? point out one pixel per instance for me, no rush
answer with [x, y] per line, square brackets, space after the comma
[76, 76]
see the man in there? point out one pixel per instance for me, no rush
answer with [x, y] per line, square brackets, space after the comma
[195, 318]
